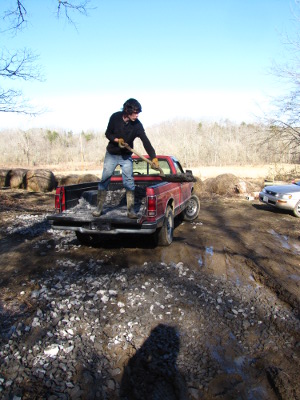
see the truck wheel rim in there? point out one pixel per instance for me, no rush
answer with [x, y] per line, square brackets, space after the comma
[191, 208]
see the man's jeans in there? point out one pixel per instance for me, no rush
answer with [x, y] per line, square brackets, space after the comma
[111, 161]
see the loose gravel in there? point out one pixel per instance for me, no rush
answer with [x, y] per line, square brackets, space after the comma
[92, 330]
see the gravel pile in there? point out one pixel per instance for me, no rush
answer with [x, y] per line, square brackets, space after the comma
[115, 204]
[151, 331]
[26, 224]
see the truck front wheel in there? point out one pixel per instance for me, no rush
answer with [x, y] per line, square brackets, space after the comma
[192, 209]
[165, 233]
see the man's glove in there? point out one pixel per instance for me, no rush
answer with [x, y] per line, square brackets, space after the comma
[155, 164]
[121, 143]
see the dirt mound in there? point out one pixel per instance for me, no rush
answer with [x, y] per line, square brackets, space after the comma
[40, 180]
[198, 186]
[71, 179]
[224, 184]
[229, 185]
[33, 180]
[88, 178]
[3, 177]
[15, 178]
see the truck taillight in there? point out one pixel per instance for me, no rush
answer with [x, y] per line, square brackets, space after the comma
[60, 200]
[152, 206]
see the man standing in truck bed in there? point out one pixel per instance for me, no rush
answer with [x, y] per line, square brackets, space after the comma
[123, 127]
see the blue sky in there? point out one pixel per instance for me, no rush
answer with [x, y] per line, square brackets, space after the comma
[200, 59]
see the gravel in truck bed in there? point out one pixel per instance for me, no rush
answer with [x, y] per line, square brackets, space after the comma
[115, 204]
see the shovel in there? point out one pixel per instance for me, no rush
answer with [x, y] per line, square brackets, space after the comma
[168, 177]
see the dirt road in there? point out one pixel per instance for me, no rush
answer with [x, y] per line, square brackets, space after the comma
[213, 316]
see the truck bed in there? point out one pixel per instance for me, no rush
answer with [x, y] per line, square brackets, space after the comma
[115, 206]
[113, 220]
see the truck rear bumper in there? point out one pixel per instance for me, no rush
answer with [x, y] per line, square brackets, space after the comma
[115, 231]
[103, 226]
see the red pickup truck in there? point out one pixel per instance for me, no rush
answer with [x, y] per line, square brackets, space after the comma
[157, 203]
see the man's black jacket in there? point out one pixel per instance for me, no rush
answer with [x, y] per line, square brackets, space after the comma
[128, 131]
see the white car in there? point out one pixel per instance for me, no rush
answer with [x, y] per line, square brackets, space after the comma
[286, 197]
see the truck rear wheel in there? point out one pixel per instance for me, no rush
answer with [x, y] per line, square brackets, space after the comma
[192, 209]
[165, 233]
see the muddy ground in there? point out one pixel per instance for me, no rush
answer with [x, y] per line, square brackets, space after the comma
[213, 316]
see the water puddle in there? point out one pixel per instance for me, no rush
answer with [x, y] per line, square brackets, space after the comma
[209, 252]
[296, 247]
[295, 277]
[284, 240]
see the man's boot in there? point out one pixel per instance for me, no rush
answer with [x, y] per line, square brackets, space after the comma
[130, 204]
[101, 196]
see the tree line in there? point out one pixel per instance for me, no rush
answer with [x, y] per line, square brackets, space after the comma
[277, 139]
[193, 143]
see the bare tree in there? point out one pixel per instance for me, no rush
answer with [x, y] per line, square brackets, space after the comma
[22, 63]
[26, 145]
[17, 15]
[285, 121]
[68, 6]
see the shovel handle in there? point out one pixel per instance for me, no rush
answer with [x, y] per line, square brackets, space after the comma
[143, 158]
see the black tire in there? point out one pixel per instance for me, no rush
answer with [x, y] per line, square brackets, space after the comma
[165, 233]
[87, 239]
[296, 210]
[192, 209]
